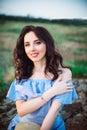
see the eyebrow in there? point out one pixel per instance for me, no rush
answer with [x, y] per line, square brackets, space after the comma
[34, 41]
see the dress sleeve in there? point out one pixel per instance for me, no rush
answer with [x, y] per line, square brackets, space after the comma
[67, 98]
[16, 92]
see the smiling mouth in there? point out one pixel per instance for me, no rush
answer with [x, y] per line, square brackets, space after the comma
[34, 55]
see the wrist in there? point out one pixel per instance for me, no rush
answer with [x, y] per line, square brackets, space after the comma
[47, 95]
[52, 93]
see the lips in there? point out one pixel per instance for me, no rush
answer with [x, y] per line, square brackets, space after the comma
[34, 55]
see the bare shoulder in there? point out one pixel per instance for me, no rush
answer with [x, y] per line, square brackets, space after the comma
[67, 73]
[67, 70]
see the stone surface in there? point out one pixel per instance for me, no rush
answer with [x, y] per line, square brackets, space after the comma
[75, 115]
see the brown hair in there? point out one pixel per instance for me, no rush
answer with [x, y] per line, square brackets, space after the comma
[24, 65]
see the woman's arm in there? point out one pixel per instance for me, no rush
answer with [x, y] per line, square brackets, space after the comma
[51, 116]
[26, 107]
[54, 109]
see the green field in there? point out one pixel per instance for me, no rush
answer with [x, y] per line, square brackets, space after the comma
[71, 41]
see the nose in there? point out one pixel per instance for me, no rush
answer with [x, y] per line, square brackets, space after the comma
[32, 47]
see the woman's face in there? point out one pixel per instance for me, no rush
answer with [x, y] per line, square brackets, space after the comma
[34, 48]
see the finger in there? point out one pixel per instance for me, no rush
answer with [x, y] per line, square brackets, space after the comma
[69, 90]
[69, 85]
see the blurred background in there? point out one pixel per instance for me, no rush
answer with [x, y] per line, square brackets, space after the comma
[66, 20]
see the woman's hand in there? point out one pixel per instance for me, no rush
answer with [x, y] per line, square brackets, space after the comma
[60, 86]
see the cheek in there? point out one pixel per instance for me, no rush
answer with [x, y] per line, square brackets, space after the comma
[42, 49]
[27, 51]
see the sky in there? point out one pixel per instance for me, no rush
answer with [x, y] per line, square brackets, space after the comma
[50, 9]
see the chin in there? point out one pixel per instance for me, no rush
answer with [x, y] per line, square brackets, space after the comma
[35, 60]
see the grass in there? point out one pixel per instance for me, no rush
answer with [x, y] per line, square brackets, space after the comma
[10, 30]
[79, 71]
[79, 67]
[80, 51]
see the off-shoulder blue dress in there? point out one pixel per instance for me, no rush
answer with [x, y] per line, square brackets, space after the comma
[31, 88]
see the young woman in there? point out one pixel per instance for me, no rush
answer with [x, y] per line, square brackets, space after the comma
[43, 84]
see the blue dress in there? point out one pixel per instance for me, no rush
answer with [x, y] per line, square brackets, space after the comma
[30, 88]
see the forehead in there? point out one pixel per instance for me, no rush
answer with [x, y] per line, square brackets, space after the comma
[30, 36]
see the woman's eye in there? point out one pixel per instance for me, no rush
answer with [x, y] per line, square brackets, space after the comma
[38, 42]
[27, 44]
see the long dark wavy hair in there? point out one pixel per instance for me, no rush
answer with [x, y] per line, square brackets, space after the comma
[24, 66]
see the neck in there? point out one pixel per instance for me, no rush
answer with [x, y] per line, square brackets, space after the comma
[39, 71]
[39, 66]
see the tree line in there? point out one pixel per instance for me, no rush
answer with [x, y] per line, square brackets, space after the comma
[33, 19]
